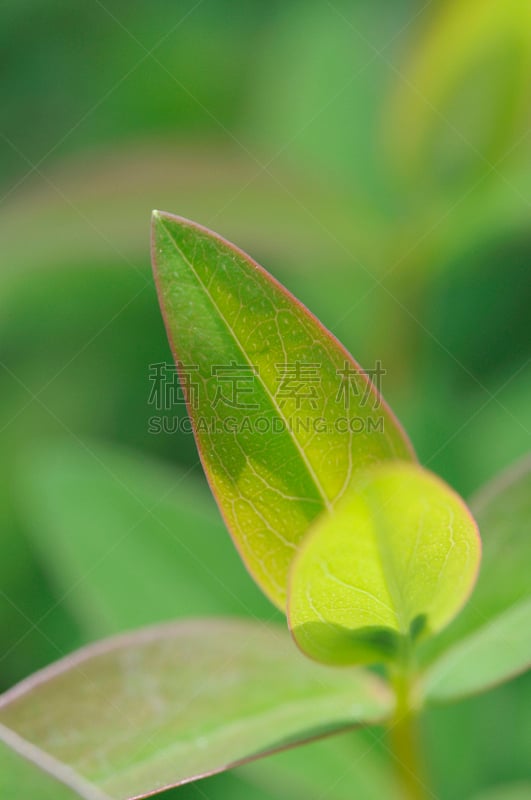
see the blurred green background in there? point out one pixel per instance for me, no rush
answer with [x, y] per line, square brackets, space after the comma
[376, 157]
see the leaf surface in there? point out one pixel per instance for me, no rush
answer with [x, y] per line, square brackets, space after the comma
[396, 561]
[176, 702]
[489, 642]
[283, 415]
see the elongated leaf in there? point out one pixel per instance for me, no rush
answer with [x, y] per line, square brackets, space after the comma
[128, 540]
[489, 642]
[495, 652]
[26, 772]
[283, 416]
[176, 702]
[397, 560]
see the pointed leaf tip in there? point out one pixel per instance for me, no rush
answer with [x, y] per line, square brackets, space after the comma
[283, 415]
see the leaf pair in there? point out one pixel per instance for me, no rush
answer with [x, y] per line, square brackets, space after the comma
[283, 415]
[375, 558]
[333, 517]
[175, 702]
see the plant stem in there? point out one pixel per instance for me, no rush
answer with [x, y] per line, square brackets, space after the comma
[404, 739]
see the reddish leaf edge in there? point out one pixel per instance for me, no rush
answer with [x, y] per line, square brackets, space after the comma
[361, 480]
[165, 215]
[144, 635]
[282, 748]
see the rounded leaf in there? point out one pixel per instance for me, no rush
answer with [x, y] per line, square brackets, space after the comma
[395, 561]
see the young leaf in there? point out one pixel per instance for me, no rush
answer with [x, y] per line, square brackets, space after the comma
[140, 712]
[489, 642]
[395, 561]
[282, 414]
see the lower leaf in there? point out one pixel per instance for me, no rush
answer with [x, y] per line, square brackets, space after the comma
[140, 712]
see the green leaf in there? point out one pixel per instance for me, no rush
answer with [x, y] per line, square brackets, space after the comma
[275, 458]
[149, 544]
[180, 701]
[395, 561]
[27, 772]
[489, 642]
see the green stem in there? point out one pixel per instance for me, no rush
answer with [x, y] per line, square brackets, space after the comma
[404, 738]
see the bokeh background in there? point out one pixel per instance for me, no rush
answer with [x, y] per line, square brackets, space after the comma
[376, 157]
